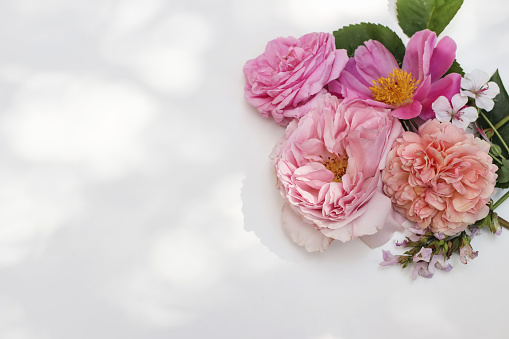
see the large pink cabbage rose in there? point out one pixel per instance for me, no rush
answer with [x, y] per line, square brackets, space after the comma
[441, 178]
[283, 81]
[329, 166]
[374, 75]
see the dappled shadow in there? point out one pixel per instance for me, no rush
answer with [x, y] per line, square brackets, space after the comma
[137, 198]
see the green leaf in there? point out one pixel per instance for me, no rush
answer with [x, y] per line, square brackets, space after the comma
[455, 68]
[498, 113]
[502, 185]
[351, 37]
[503, 173]
[416, 15]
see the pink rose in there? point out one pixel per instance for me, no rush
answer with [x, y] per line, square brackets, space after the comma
[329, 166]
[441, 178]
[283, 81]
[374, 75]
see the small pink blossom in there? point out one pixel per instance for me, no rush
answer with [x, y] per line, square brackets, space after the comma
[284, 80]
[423, 255]
[329, 166]
[389, 258]
[374, 75]
[421, 268]
[438, 261]
[427, 270]
[458, 113]
[466, 252]
[441, 178]
[439, 236]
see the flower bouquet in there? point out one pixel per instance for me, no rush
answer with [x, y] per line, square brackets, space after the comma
[383, 137]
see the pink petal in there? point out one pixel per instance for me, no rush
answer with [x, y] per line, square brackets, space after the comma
[374, 60]
[418, 53]
[330, 68]
[447, 86]
[352, 83]
[371, 221]
[443, 57]
[423, 90]
[393, 223]
[340, 62]
[409, 111]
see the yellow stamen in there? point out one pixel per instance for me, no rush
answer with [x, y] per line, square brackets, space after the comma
[397, 89]
[337, 165]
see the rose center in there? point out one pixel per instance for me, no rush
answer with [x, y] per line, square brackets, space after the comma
[337, 165]
[397, 89]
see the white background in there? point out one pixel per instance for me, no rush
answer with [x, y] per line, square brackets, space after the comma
[136, 194]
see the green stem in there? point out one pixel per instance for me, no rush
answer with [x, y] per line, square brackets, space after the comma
[405, 126]
[494, 130]
[503, 222]
[497, 160]
[414, 124]
[502, 122]
[501, 200]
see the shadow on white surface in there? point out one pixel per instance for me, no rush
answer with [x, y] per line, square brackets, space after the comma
[128, 155]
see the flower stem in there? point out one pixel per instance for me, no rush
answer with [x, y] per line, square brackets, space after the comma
[501, 200]
[494, 130]
[502, 122]
[504, 223]
[496, 159]
[414, 124]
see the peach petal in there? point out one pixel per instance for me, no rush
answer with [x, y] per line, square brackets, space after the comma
[447, 186]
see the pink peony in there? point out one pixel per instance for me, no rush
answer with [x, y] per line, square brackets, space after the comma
[283, 81]
[441, 178]
[329, 166]
[374, 75]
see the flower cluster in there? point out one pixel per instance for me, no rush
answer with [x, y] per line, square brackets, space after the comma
[380, 135]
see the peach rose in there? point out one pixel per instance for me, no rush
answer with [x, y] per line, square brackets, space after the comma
[442, 178]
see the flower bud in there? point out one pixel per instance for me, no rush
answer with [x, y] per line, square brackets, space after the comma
[495, 224]
[496, 150]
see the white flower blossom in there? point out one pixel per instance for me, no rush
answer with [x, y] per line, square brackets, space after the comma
[476, 86]
[458, 113]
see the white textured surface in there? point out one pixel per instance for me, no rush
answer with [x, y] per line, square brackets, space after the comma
[127, 158]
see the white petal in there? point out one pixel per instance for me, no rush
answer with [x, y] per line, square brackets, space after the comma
[458, 101]
[492, 90]
[443, 116]
[467, 94]
[463, 124]
[302, 233]
[484, 102]
[441, 104]
[470, 114]
[467, 84]
[479, 78]
[442, 109]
